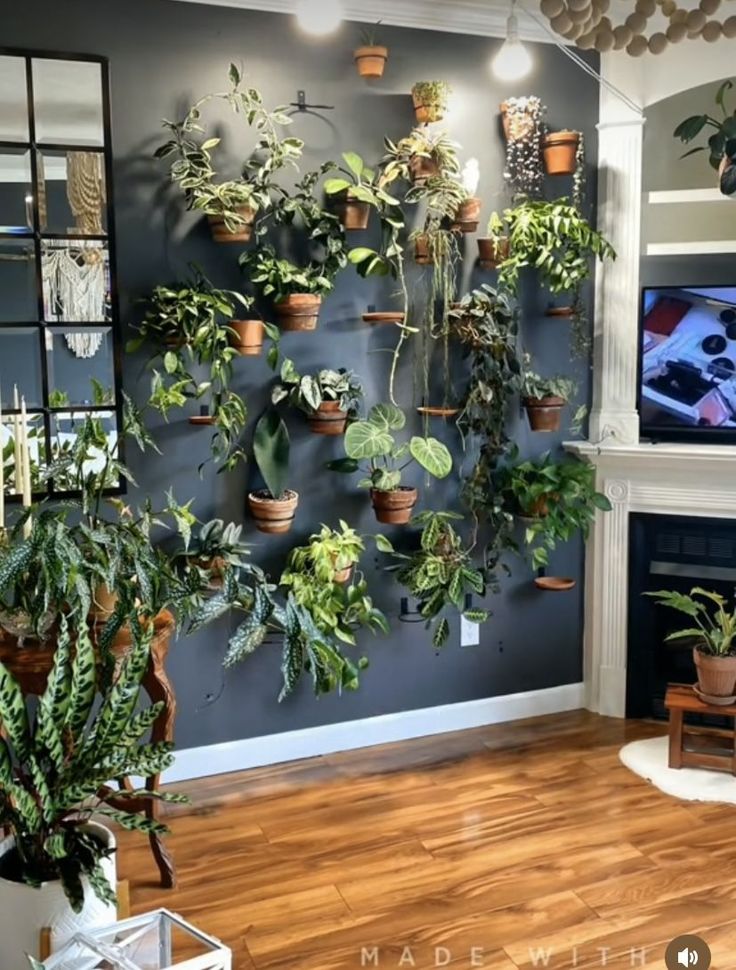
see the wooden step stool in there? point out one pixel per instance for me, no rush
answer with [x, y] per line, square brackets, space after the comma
[699, 747]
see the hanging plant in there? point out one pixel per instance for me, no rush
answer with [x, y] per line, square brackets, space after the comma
[523, 128]
[544, 399]
[330, 399]
[370, 58]
[560, 152]
[420, 156]
[430, 100]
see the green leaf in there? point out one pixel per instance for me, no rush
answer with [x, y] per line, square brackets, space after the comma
[271, 447]
[171, 362]
[365, 440]
[383, 544]
[354, 163]
[360, 254]
[336, 185]
[346, 466]
[441, 634]
[432, 455]
[387, 416]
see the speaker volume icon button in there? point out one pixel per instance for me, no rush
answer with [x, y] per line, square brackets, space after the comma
[688, 952]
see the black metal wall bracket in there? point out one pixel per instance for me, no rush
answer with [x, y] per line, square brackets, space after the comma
[302, 105]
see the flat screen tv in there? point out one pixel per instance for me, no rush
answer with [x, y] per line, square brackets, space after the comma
[687, 388]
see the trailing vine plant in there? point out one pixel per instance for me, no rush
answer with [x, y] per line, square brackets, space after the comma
[524, 129]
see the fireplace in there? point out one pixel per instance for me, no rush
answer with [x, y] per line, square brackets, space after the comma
[669, 552]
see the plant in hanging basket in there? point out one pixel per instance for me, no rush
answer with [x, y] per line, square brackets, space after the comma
[330, 399]
[430, 100]
[273, 508]
[372, 445]
[721, 145]
[440, 574]
[544, 398]
[560, 151]
[355, 191]
[712, 633]
[370, 58]
[523, 128]
[557, 499]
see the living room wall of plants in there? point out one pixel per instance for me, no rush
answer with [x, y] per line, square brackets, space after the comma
[358, 330]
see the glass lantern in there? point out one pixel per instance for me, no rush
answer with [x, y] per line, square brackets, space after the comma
[155, 941]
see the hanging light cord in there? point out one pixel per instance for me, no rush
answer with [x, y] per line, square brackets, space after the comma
[583, 65]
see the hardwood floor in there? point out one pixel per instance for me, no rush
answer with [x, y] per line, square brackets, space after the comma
[511, 847]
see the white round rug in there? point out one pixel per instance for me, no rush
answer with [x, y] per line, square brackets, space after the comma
[649, 758]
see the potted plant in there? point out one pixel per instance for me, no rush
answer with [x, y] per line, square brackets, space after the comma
[440, 574]
[712, 633]
[230, 205]
[215, 548]
[273, 508]
[493, 249]
[57, 865]
[355, 191]
[721, 143]
[544, 398]
[297, 291]
[370, 58]
[247, 335]
[372, 441]
[330, 399]
[523, 128]
[430, 100]
[467, 216]
[188, 327]
[560, 152]
[419, 156]
[556, 499]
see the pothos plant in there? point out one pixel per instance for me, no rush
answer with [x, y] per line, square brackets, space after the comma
[440, 573]
[193, 168]
[558, 241]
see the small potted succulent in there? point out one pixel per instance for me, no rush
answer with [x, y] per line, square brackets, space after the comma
[370, 58]
[330, 399]
[494, 248]
[274, 507]
[560, 152]
[297, 291]
[712, 634]
[544, 398]
[467, 216]
[373, 442]
[430, 100]
[355, 191]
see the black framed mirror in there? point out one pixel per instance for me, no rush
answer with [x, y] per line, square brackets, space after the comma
[60, 341]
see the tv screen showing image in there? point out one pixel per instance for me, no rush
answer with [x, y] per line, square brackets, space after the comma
[688, 362]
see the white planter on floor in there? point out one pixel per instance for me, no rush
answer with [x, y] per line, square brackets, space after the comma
[25, 911]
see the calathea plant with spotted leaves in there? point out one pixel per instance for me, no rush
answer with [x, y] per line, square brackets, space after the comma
[56, 763]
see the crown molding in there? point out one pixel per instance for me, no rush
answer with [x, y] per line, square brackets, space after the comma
[477, 17]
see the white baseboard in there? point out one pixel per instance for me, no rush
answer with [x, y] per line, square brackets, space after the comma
[218, 759]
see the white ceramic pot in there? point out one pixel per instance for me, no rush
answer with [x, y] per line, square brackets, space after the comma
[25, 911]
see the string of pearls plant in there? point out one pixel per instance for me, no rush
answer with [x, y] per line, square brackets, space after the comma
[586, 22]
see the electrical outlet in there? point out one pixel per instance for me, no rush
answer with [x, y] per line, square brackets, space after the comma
[469, 633]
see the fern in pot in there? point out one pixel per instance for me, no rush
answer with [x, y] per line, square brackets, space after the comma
[329, 399]
[57, 865]
[713, 635]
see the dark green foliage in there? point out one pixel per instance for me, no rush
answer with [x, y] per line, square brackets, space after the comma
[722, 143]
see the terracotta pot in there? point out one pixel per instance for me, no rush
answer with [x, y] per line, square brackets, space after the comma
[371, 61]
[221, 233]
[537, 510]
[560, 151]
[202, 420]
[352, 213]
[559, 311]
[428, 112]
[384, 316]
[300, 311]
[716, 675]
[328, 419]
[421, 169]
[249, 340]
[516, 125]
[544, 413]
[467, 216]
[214, 565]
[492, 252]
[422, 253]
[342, 576]
[274, 516]
[394, 508]
[104, 602]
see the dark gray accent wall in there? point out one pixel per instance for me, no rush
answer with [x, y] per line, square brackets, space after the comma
[163, 54]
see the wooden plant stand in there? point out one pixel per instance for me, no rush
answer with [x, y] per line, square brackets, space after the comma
[699, 747]
[31, 665]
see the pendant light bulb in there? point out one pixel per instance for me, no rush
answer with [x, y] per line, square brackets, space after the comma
[319, 17]
[513, 61]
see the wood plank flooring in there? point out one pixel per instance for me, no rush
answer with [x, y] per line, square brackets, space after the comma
[511, 847]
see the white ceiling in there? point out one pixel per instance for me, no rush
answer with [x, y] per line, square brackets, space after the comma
[478, 17]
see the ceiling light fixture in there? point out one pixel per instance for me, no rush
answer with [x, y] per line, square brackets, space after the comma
[319, 17]
[513, 61]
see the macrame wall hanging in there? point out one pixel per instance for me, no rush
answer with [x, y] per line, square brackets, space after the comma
[75, 288]
[85, 189]
[586, 23]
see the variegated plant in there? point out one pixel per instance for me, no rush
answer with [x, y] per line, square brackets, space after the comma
[56, 764]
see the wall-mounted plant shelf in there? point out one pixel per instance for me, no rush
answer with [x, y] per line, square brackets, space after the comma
[699, 248]
[684, 196]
